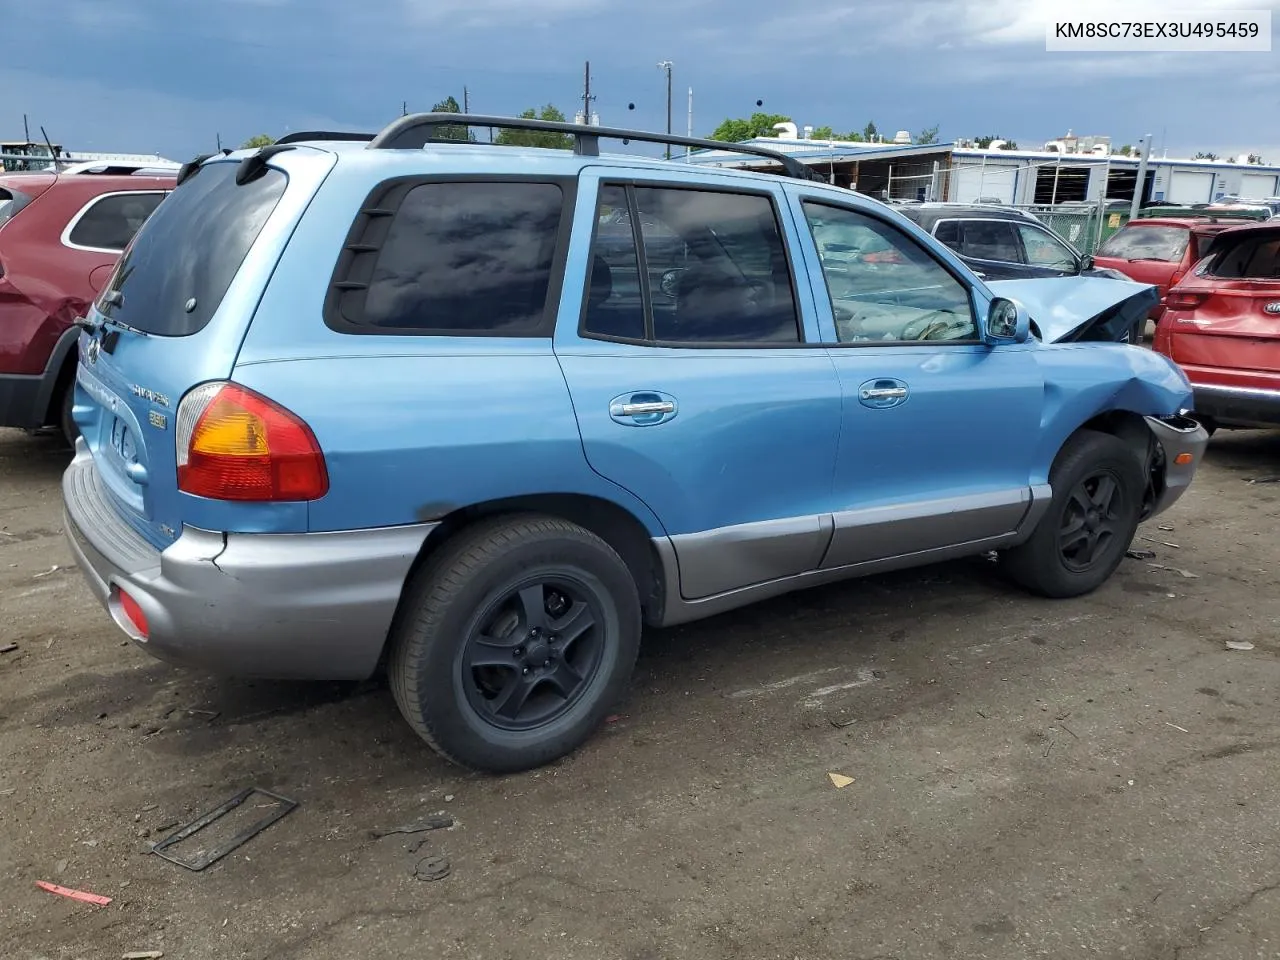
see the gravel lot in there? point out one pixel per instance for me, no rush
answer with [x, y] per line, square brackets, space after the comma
[1094, 777]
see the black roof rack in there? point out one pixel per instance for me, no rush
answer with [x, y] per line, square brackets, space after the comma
[305, 135]
[414, 131]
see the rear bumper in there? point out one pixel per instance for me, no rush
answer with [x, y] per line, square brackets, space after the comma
[1179, 437]
[1239, 406]
[287, 606]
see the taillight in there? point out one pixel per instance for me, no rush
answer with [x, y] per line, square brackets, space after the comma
[1184, 300]
[234, 444]
[1174, 280]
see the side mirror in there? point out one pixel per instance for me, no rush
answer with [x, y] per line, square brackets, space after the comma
[1086, 263]
[1007, 322]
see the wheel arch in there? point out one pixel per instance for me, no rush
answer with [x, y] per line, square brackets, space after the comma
[1131, 427]
[611, 522]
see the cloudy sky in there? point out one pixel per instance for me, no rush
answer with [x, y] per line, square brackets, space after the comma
[170, 75]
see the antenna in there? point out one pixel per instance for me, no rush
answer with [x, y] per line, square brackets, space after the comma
[52, 155]
[218, 136]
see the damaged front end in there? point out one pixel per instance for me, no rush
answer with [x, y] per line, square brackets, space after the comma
[1081, 309]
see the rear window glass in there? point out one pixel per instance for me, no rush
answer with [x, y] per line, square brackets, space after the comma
[176, 271]
[110, 222]
[467, 259]
[1147, 243]
[1255, 256]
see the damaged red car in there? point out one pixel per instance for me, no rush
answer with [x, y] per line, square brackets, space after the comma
[1222, 326]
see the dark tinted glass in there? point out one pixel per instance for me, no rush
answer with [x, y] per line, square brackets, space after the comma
[1253, 255]
[113, 220]
[990, 240]
[721, 268]
[615, 307]
[179, 266]
[467, 258]
[948, 232]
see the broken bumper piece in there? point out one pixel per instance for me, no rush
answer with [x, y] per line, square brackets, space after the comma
[1183, 441]
[287, 606]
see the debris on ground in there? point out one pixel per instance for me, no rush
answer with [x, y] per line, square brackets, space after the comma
[1239, 645]
[54, 569]
[1176, 727]
[1140, 554]
[143, 955]
[1163, 543]
[1264, 480]
[432, 868]
[8, 648]
[80, 895]
[439, 821]
[282, 805]
[839, 780]
[1165, 527]
[1185, 573]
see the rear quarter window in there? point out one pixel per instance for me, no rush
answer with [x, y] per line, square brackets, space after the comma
[177, 269]
[458, 258]
[11, 201]
[110, 221]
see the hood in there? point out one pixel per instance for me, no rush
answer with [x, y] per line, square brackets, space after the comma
[1073, 309]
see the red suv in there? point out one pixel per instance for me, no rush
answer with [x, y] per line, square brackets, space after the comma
[60, 235]
[1222, 326]
[1160, 250]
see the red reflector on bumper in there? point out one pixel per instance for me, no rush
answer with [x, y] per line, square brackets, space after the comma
[133, 613]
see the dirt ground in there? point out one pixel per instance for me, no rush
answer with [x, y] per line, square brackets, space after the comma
[1093, 777]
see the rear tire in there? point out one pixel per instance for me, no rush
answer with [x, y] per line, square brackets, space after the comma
[1098, 490]
[515, 642]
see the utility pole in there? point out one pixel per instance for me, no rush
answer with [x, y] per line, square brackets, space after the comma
[1140, 187]
[26, 129]
[587, 95]
[690, 128]
[667, 65]
[466, 100]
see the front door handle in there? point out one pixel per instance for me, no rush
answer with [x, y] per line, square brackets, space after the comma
[643, 409]
[883, 393]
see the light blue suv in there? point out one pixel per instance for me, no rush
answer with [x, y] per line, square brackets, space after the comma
[474, 413]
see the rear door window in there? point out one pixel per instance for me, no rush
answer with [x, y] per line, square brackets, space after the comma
[993, 240]
[1045, 250]
[176, 271]
[109, 222]
[473, 258]
[1147, 243]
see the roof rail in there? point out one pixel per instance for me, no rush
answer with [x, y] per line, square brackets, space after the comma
[414, 131]
[304, 135]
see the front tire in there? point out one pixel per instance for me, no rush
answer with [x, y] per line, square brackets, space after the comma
[515, 643]
[66, 423]
[1098, 488]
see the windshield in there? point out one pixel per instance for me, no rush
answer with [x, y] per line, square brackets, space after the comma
[176, 271]
[1146, 243]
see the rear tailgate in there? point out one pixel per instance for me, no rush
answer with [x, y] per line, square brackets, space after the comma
[172, 316]
[1237, 326]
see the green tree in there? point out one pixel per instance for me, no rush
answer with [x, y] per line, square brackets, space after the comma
[869, 132]
[537, 138]
[458, 132]
[1202, 155]
[1126, 150]
[928, 135]
[1255, 158]
[757, 125]
[254, 143]
[984, 142]
[826, 133]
